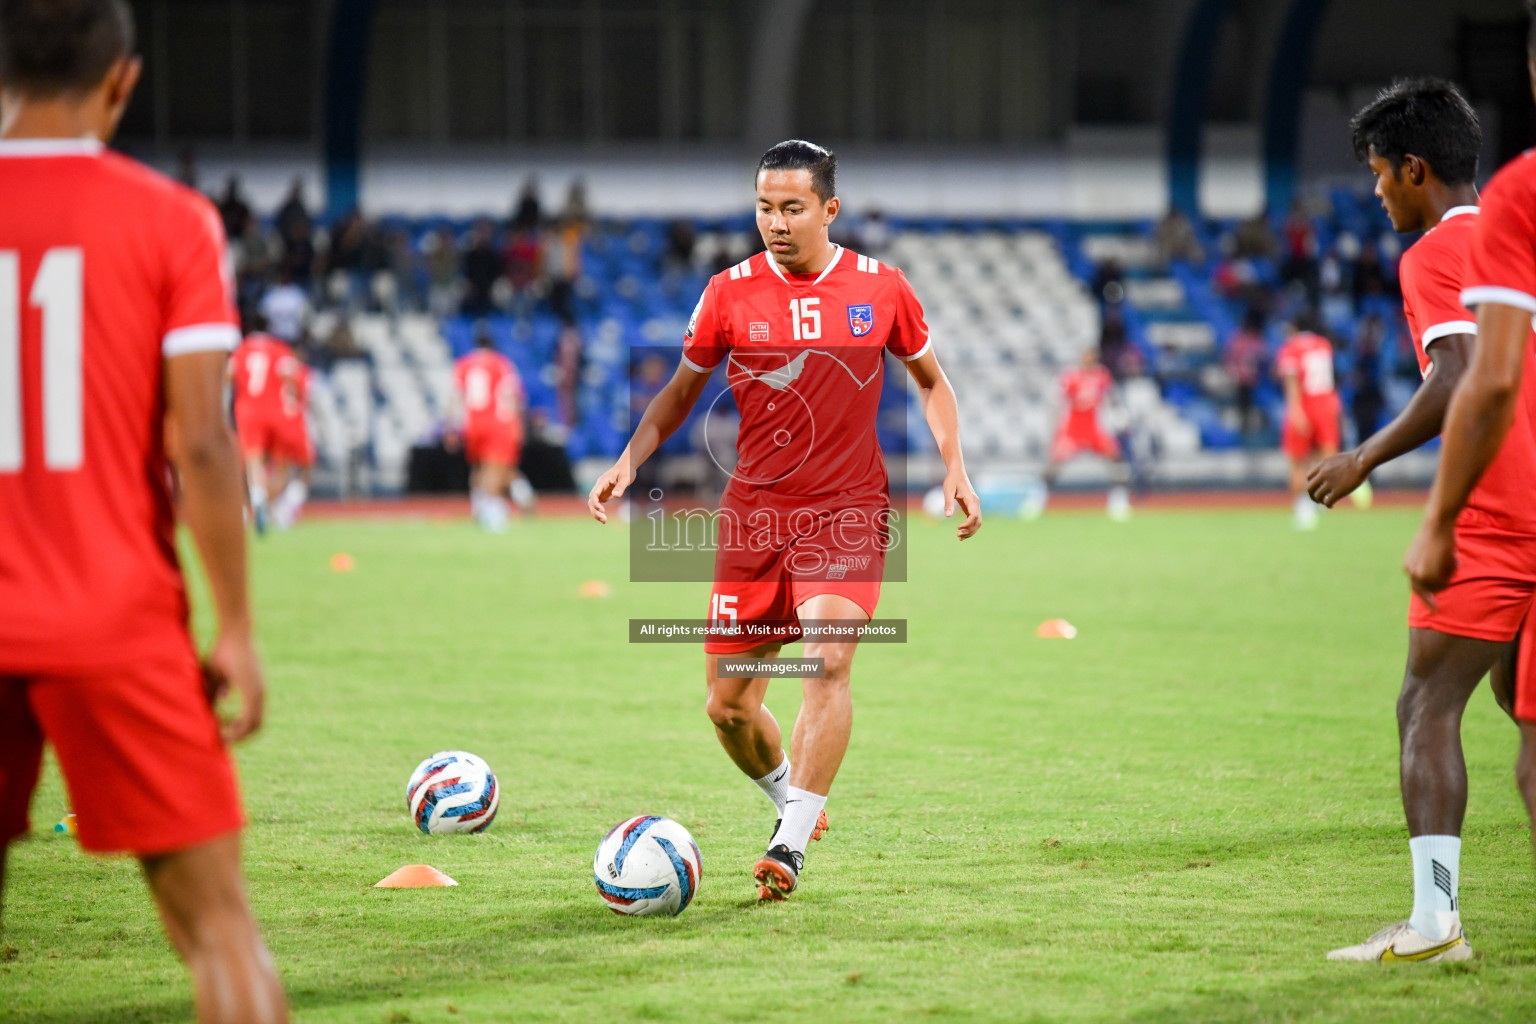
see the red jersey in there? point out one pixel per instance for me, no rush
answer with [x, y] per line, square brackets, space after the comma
[805, 357]
[1432, 273]
[1502, 269]
[1083, 390]
[1308, 357]
[490, 387]
[294, 378]
[258, 370]
[106, 270]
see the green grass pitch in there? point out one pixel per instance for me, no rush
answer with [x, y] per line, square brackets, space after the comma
[1168, 819]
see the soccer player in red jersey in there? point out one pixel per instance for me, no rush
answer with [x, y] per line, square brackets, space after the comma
[802, 330]
[1083, 390]
[295, 451]
[1421, 139]
[1490, 431]
[256, 372]
[490, 399]
[1311, 424]
[115, 326]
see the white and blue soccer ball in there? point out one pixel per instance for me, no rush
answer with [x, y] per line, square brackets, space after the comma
[452, 791]
[647, 865]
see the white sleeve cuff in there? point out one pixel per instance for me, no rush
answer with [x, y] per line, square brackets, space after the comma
[1438, 331]
[1498, 296]
[919, 353]
[695, 367]
[200, 338]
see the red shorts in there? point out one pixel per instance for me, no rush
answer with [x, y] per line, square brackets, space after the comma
[499, 443]
[1492, 590]
[1322, 412]
[832, 552]
[293, 443]
[260, 433]
[139, 747]
[1075, 438]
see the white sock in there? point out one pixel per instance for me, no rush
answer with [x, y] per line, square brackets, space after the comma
[258, 497]
[1436, 874]
[522, 492]
[801, 809]
[1306, 510]
[1119, 501]
[294, 495]
[775, 785]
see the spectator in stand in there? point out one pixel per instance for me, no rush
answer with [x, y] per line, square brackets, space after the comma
[1366, 405]
[292, 214]
[523, 257]
[562, 256]
[1109, 282]
[1114, 343]
[1244, 361]
[1371, 278]
[569, 361]
[681, 238]
[285, 307]
[441, 256]
[481, 268]
[1300, 264]
[234, 210]
[1255, 241]
[527, 214]
[299, 252]
[874, 233]
[1176, 240]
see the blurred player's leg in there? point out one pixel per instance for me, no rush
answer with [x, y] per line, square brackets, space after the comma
[256, 483]
[1525, 770]
[202, 902]
[21, 761]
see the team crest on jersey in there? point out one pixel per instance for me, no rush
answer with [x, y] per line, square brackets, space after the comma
[758, 332]
[861, 319]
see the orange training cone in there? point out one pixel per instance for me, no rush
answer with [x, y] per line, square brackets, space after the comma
[414, 876]
[342, 562]
[1059, 629]
[594, 588]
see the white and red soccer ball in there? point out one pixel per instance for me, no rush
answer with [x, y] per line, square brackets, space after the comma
[452, 791]
[647, 865]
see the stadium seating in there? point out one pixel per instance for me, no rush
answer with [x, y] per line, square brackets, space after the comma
[1009, 305]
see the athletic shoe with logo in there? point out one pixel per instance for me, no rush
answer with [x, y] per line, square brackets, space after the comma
[777, 873]
[1403, 943]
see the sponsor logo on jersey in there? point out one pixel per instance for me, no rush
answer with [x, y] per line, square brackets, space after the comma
[693, 321]
[758, 332]
[861, 319]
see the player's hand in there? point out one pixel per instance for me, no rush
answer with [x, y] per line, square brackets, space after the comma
[1431, 560]
[232, 666]
[959, 492]
[611, 484]
[1336, 477]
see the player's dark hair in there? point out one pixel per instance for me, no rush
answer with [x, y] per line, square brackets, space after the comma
[51, 47]
[1427, 117]
[799, 155]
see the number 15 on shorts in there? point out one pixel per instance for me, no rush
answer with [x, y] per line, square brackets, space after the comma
[723, 607]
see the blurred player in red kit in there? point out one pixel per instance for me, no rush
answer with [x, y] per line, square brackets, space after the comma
[1310, 429]
[802, 330]
[117, 309]
[295, 449]
[489, 397]
[264, 376]
[1081, 430]
[1421, 139]
[1490, 439]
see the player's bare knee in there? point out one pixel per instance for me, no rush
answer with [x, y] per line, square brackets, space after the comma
[730, 712]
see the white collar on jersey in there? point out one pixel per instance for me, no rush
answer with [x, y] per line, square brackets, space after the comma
[837, 254]
[1457, 211]
[84, 146]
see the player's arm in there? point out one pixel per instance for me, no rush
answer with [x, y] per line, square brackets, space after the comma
[662, 417]
[942, 411]
[213, 494]
[1476, 422]
[1420, 421]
